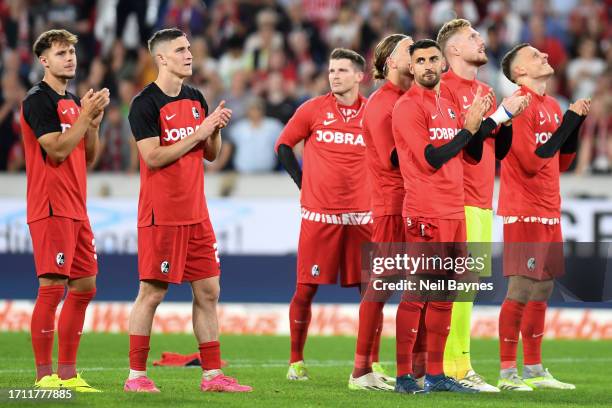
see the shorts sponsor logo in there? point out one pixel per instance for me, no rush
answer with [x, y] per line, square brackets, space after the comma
[196, 114]
[531, 264]
[327, 136]
[315, 271]
[165, 267]
[442, 133]
[60, 259]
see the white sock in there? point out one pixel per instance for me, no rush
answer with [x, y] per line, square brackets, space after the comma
[210, 374]
[136, 374]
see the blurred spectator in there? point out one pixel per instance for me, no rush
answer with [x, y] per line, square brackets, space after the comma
[595, 149]
[537, 37]
[445, 10]
[118, 151]
[582, 72]
[232, 60]
[264, 41]
[279, 104]
[316, 48]
[186, 15]
[253, 139]
[125, 8]
[344, 32]
[238, 95]
[11, 151]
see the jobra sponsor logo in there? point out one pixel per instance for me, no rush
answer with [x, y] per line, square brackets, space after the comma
[172, 135]
[542, 137]
[327, 136]
[442, 133]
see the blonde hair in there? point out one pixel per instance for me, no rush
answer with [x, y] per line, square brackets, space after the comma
[449, 29]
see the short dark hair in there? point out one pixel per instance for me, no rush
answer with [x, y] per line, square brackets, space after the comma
[46, 40]
[506, 62]
[167, 34]
[423, 44]
[344, 53]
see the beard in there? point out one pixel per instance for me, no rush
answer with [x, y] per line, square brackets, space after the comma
[429, 82]
[478, 59]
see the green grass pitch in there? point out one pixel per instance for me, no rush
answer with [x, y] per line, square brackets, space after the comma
[261, 361]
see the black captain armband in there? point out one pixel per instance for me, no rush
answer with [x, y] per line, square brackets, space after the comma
[290, 163]
[568, 130]
[437, 156]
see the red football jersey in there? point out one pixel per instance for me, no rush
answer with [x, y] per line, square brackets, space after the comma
[386, 183]
[52, 189]
[479, 179]
[174, 194]
[529, 183]
[422, 117]
[334, 177]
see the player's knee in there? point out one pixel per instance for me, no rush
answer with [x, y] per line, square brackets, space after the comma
[207, 295]
[542, 291]
[152, 294]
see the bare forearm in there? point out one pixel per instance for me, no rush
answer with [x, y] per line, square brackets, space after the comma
[92, 145]
[212, 146]
[164, 155]
[64, 143]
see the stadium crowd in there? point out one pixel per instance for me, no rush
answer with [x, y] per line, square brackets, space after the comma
[266, 57]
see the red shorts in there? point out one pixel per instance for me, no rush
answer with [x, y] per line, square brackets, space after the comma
[429, 237]
[177, 253]
[64, 246]
[387, 240]
[388, 228]
[533, 250]
[326, 249]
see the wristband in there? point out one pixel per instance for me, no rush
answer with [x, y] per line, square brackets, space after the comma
[501, 115]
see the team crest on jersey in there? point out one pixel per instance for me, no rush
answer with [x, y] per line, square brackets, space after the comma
[60, 259]
[315, 271]
[165, 267]
[196, 114]
[451, 113]
[531, 264]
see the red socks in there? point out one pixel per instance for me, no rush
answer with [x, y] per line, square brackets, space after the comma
[510, 318]
[532, 332]
[70, 327]
[419, 351]
[139, 351]
[437, 321]
[368, 336]
[210, 355]
[299, 318]
[406, 329]
[42, 327]
[374, 355]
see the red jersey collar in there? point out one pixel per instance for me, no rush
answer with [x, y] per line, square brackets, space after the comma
[361, 100]
[452, 76]
[392, 87]
[423, 92]
[525, 90]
